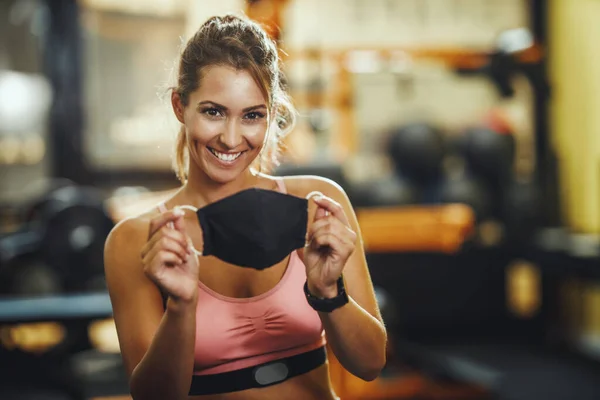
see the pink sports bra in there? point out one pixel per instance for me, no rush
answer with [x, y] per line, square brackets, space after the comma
[236, 333]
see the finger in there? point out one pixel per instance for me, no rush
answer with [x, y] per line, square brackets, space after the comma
[337, 244]
[153, 257]
[163, 219]
[177, 235]
[320, 213]
[332, 207]
[174, 246]
[325, 239]
[167, 232]
[166, 243]
[332, 225]
[319, 225]
[163, 258]
[343, 231]
[179, 223]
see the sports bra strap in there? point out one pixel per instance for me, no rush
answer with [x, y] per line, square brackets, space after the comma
[281, 185]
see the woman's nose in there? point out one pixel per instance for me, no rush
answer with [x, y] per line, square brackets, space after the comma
[232, 136]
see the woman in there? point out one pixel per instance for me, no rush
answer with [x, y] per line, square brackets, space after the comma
[201, 327]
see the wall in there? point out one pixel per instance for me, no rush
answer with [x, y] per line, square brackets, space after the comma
[575, 116]
[575, 124]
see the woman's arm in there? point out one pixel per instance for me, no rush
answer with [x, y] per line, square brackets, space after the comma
[357, 339]
[157, 345]
[355, 332]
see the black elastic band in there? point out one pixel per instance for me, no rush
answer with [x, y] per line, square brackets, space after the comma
[246, 378]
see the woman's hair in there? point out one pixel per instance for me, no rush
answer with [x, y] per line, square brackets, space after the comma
[242, 44]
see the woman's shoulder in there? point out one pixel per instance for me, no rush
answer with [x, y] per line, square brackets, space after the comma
[130, 233]
[134, 214]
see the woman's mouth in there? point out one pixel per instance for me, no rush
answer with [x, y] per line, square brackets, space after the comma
[226, 158]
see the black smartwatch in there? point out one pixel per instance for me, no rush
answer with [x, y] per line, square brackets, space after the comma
[327, 305]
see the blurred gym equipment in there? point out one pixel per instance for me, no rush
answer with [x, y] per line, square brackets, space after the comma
[521, 211]
[464, 189]
[515, 51]
[519, 52]
[388, 192]
[36, 195]
[417, 151]
[72, 307]
[64, 236]
[489, 154]
[436, 229]
[37, 363]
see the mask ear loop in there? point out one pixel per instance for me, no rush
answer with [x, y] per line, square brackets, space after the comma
[193, 209]
[316, 193]
[312, 194]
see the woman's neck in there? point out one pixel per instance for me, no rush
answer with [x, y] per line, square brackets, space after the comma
[200, 190]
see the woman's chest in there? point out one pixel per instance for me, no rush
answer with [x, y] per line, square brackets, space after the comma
[275, 320]
[231, 281]
[271, 321]
[282, 309]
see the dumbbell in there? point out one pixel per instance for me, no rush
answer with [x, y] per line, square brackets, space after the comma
[417, 151]
[489, 153]
[64, 236]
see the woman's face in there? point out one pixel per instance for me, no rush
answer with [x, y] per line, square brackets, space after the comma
[226, 123]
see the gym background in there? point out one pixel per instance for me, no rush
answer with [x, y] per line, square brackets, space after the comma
[466, 133]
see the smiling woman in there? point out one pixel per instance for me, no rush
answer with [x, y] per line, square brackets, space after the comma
[242, 72]
[240, 321]
[223, 140]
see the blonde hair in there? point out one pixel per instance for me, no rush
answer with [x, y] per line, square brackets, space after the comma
[244, 45]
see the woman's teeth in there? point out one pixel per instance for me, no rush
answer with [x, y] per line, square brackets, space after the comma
[228, 157]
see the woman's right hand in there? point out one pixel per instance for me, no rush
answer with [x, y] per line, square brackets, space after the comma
[168, 258]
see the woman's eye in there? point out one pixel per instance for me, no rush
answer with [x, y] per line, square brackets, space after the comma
[212, 112]
[254, 115]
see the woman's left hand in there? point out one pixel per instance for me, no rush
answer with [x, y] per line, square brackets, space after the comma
[330, 243]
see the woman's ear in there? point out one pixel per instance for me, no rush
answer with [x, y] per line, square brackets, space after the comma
[177, 105]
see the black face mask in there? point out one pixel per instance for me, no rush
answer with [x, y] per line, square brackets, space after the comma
[254, 228]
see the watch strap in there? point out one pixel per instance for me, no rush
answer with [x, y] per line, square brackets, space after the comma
[327, 305]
